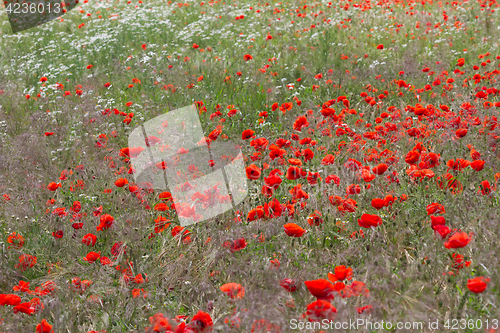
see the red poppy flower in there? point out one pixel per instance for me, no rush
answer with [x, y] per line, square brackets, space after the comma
[238, 244]
[255, 214]
[24, 308]
[321, 289]
[177, 230]
[161, 224]
[478, 284]
[259, 144]
[437, 220]
[105, 261]
[458, 240]
[477, 165]
[120, 182]
[459, 261]
[165, 196]
[484, 187]
[273, 209]
[293, 230]
[429, 160]
[348, 205]
[92, 257]
[448, 181]
[353, 164]
[9, 299]
[233, 290]
[60, 211]
[44, 327]
[334, 178]
[340, 273]
[442, 230]
[267, 191]
[369, 221]
[161, 207]
[378, 203]
[335, 200]
[16, 240]
[36, 304]
[461, 132]
[131, 152]
[328, 159]
[106, 222]
[293, 173]
[25, 261]
[247, 134]
[159, 323]
[315, 219]
[97, 211]
[89, 239]
[300, 123]
[320, 311]
[253, 172]
[434, 208]
[367, 175]
[328, 112]
[289, 285]
[298, 193]
[458, 164]
[353, 189]
[201, 323]
[359, 288]
[160, 165]
[22, 286]
[54, 186]
[380, 169]
[273, 181]
[366, 308]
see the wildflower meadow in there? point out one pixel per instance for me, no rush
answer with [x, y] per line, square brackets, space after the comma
[364, 141]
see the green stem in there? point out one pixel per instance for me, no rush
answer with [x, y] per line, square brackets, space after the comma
[461, 305]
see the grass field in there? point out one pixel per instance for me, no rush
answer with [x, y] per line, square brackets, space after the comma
[371, 142]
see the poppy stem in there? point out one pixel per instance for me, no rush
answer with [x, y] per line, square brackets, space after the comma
[462, 304]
